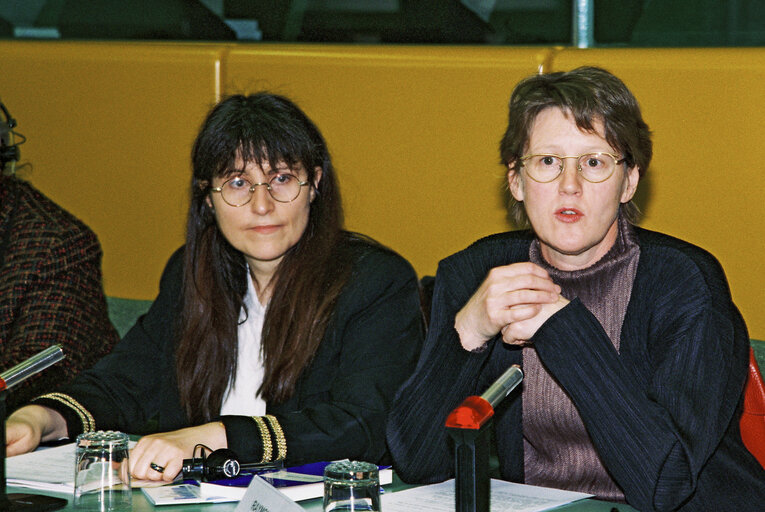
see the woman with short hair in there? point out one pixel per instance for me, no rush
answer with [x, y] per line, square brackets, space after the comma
[634, 356]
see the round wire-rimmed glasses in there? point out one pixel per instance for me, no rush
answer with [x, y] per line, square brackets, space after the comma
[593, 167]
[283, 187]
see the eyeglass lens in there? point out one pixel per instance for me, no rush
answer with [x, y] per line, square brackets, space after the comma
[594, 167]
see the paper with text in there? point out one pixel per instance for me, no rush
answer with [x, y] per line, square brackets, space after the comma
[46, 469]
[505, 497]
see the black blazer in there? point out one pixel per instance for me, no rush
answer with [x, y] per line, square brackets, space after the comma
[342, 398]
[663, 412]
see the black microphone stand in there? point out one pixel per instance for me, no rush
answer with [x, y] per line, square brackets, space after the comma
[8, 379]
[468, 425]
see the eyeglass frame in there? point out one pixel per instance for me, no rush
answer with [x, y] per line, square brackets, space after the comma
[616, 158]
[253, 187]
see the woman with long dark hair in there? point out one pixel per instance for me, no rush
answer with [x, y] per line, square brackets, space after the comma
[275, 334]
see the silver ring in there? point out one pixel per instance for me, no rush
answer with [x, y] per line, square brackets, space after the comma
[157, 467]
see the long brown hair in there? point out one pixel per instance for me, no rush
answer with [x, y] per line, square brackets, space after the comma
[261, 128]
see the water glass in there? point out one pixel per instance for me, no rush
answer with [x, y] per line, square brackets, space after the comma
[351, 486]
[102, 472]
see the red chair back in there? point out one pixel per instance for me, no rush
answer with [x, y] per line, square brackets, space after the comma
[753, 419]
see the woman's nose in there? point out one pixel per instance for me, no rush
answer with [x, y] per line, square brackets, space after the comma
[261, 202]
[570, 179]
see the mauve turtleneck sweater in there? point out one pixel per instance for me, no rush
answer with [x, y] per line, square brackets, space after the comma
[558, 451]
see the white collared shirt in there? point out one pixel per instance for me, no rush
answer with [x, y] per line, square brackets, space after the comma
[241, 396]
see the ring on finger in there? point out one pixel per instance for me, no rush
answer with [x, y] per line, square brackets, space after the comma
[157, 467]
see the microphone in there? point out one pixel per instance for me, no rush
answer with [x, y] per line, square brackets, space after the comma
[503, 385]
[32, 366]
[468, 427]
[8, 379]
[474, 411]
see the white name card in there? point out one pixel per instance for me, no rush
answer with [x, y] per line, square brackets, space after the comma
[263, 497]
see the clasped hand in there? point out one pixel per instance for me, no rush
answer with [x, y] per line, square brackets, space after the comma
[515, 300]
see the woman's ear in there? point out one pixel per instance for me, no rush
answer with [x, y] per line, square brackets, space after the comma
[317, 174]
[630, 184]
[515, 182]
[208, 200]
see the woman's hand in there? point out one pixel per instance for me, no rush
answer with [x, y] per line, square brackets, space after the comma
[518, 333]
[167, 450]
[30, 425]
[515, 299]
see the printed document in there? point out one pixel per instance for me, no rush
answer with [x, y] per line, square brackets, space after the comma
[505, 497]
[46, 469]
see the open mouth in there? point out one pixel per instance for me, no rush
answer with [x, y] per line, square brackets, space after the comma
[568, 214]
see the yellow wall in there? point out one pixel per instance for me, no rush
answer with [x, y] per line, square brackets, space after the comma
[414, 133]
[109, 129]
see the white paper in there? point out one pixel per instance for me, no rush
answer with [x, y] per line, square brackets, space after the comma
[46, 469]
[181, 494]
[263, 497]
[50, 469]
[505, 497]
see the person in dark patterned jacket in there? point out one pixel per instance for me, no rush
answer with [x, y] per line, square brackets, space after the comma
[50, 288]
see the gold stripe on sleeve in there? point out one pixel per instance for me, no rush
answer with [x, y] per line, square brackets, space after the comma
[88, 423]
[281, 441]
[265, 435]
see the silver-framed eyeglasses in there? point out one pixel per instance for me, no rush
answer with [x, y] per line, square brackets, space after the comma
[593, 167]
[283, 187]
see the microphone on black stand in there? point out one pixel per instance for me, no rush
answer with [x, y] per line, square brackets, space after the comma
[9, 379]
[468, 425]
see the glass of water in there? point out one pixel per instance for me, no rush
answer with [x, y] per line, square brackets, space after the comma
[102, 472]
[351, 486]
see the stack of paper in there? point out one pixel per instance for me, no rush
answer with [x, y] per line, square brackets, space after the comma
[181, 494]
[505, 497]
[50, 469]
[45, 469]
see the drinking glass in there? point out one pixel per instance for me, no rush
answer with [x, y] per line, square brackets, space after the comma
[102, 472]
[351, 486]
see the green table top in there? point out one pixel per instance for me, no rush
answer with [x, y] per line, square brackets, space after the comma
[141, 504]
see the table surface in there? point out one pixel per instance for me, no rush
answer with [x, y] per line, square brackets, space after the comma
[141, 504]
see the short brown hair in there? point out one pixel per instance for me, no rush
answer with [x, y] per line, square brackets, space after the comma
[588, 94]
